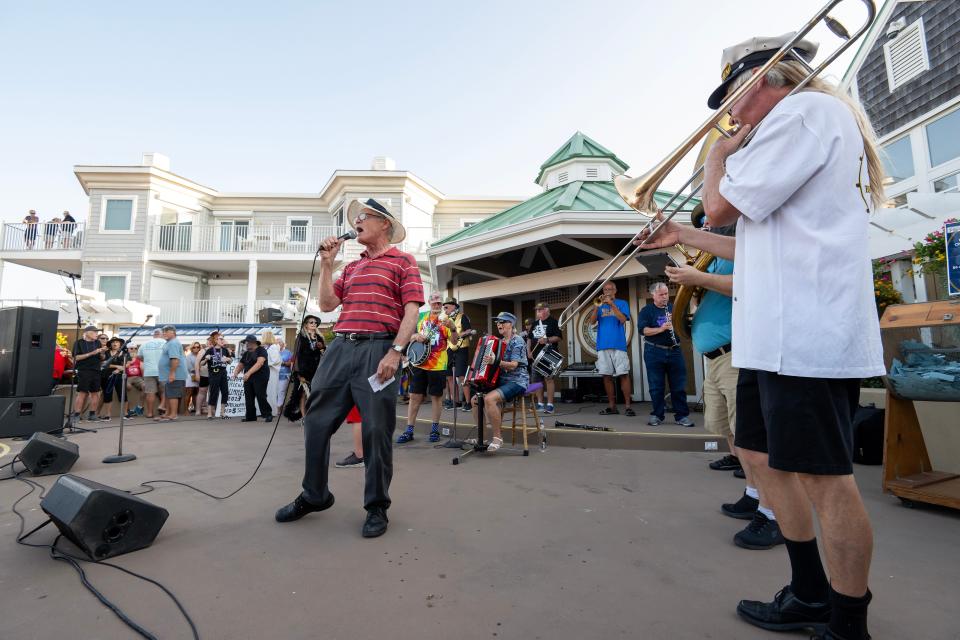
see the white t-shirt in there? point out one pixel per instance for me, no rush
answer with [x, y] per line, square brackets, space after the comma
[803, 302]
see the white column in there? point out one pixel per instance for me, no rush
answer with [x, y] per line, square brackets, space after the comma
[251, 291]
[635, 357]
[1, 275]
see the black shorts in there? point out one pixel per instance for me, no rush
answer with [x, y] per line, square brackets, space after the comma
[457, 362]
[204, 381]
[431, 382]
[805, 424]
[88, 381]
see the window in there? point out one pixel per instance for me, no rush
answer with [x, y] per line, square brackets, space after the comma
[947, 184]
[906, 55]
[114, 287]
[467, 222]
[233, 233]
[116, 215]
[943, 138]
[299, 229]
[898, 159]
[898, 201]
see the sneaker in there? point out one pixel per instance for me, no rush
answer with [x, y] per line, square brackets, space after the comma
[105, 419]
[654, 421]
[92, 417]
[350, 461]
[406, 436]
[540, 407]
[726, 463]
[447, 404]
[830, 635]
[761, 533]
[131, 414]
[548, 409]
[609, 411]
[685, 421]
[742, 509]
[376, 523]
[740, 473]
[630, 413]
[434, 434]
[139, 411]
[785, 613]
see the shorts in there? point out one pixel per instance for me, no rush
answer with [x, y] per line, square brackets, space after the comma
[111, 384]
[457, 362]
[136, 382]
[720, 395]
[511, 390]
[88, 381]
[805, 424]
[613, 362]
[174, 390]
[151, 384]
[204, 381]
[430, 382]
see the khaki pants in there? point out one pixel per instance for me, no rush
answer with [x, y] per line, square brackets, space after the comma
[720, 395]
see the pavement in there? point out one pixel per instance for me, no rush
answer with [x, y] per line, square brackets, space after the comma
[566, 543]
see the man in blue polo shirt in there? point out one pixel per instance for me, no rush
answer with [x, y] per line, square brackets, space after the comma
[613, 315]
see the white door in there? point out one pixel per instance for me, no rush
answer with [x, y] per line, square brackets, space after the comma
[174, 297]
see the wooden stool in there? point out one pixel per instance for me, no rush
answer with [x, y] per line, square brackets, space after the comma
[525, 408]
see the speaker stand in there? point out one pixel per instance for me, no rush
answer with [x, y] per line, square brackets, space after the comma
[70, 423]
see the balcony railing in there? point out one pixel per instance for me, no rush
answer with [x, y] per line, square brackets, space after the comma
[225, 310]
[231, 238]
[43, 236]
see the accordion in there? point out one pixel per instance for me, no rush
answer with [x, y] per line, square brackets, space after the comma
[482, 375]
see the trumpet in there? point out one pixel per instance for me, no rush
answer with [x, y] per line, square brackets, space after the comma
[639, 192]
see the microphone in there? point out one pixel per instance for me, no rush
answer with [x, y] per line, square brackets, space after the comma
[76, 276]
[349, 234]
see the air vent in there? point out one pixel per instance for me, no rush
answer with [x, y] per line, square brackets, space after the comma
[563, 177]
[593, 173]
[906, 55]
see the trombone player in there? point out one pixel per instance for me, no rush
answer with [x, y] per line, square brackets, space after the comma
[798, 195]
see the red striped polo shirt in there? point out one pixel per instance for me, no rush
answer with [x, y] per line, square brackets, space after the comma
[373, 292]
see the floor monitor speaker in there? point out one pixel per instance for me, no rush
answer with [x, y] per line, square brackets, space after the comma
[46, 455]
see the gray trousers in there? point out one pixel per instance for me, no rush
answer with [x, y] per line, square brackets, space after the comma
[339, 383]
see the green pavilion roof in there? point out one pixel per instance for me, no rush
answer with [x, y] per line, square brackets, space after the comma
[580, 146]
[575, 196]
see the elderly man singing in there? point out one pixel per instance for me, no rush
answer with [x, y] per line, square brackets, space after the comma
[381, 294]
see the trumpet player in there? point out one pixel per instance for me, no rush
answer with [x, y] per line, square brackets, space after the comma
[799, 196]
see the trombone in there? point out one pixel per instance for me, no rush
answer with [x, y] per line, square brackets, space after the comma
[639, 192]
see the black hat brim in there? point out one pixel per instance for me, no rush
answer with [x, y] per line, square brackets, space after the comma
[752, 61]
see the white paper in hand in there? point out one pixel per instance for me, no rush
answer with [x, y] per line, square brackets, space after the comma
[376, 385]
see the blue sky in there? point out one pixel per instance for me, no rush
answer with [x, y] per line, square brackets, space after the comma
[274, 97]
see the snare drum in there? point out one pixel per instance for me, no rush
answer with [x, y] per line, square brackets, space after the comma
[548, 362]
[417, 353]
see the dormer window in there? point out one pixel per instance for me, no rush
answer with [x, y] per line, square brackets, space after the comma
[906, 55]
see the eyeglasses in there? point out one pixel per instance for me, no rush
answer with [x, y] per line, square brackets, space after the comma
[363, 215]
[102, 338]
[311, 322]
[500, 322]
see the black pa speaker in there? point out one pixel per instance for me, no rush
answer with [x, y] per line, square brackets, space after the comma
[28, 336]
[102, 521]
[46, 455]
[268, 315]
[22, 417]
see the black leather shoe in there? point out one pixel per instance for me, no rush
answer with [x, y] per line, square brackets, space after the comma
[742, 509]
[786, 613]
[268, 418]
[299, 508]
[376, 524]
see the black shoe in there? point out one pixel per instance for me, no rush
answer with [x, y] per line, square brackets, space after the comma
[249, 420]
[785, 613]
[728, 462]
[740, 473]
[761, 533]
[268, 418]
[447, 404]
[376, 524]
[299, 508]
[742, 509]
[350, 461]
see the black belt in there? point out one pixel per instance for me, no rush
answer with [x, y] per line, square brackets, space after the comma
[664, 347]
[717, 352]
[382, 335]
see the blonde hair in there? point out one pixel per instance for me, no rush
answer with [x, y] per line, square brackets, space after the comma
[789, 73]
[267, 337]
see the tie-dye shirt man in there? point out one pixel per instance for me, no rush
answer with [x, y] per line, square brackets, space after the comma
[438, 335]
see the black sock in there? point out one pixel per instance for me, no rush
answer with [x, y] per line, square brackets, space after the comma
[848, 619]
[809, 582]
